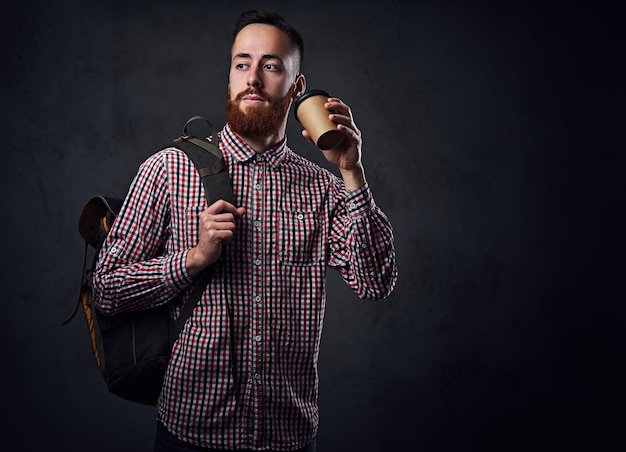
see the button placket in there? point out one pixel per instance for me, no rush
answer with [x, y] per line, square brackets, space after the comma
[256, 327]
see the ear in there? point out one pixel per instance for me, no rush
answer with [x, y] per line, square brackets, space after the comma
[299, 86]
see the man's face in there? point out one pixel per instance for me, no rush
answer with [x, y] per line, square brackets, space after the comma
[263, 80]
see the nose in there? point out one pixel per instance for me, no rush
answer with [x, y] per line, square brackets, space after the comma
[254, 79]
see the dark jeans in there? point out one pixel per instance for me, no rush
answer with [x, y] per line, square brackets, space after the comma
[164, 441]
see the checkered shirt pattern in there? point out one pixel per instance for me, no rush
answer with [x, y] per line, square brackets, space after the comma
[243, 373]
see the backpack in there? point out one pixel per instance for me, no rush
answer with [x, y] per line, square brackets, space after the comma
[132, 349]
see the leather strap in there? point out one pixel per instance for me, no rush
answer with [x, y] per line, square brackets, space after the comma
[209, 162]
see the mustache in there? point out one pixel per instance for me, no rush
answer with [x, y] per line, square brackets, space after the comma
[252, 91]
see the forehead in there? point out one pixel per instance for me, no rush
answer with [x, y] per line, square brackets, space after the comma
[261, 39]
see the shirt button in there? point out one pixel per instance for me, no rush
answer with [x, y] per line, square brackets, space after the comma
[352, 206]
[257, 298]
[257, 187]
[257, 262]
[257, 376]
[113, 250]
[257, 224]
[258, 338]
[300, 216]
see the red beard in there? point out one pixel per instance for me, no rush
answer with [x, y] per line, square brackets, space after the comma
[257, 121]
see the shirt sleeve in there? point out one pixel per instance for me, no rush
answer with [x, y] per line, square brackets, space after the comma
[361, 244]
[133, 271]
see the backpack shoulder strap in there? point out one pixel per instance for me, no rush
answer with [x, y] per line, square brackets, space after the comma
[209, 162]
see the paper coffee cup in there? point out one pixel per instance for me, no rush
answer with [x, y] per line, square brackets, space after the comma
[310, 112]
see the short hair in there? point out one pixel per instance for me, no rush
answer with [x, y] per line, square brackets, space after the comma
[261, 16]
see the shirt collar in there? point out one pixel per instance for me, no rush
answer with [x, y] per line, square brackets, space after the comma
[242, 152]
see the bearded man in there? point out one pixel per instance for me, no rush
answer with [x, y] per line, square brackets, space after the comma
[243, 373]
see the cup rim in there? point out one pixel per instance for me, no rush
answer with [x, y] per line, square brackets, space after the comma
[305, 95]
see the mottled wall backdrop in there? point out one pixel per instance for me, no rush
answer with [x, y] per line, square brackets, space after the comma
[490, 139]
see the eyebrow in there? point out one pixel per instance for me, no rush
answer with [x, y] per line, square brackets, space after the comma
[268, 56]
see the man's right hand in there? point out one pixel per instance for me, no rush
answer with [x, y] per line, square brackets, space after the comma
[216, 226]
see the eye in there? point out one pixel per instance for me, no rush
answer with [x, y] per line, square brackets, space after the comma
[272, 67]
[241, 66]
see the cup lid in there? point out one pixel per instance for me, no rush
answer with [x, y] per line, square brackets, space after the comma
[305, 95]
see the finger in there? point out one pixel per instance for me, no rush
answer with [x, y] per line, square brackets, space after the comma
[223, 229]
[352, 134]
[335, 104]
[336, 100]
[342, 119]
[218, 232]
[347, 126]
[227, 217]
[220, 206]
[307, 136]
[221, 221]
[224, 217]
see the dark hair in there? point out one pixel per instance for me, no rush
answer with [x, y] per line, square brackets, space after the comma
[261, 16]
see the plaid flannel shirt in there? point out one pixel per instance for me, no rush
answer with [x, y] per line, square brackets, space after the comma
[243, 372]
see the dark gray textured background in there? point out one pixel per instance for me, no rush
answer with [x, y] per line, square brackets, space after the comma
[492, 140]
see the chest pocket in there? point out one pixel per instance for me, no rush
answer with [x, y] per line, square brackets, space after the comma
[300, 238]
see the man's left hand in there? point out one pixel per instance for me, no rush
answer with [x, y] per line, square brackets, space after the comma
[347, 155]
